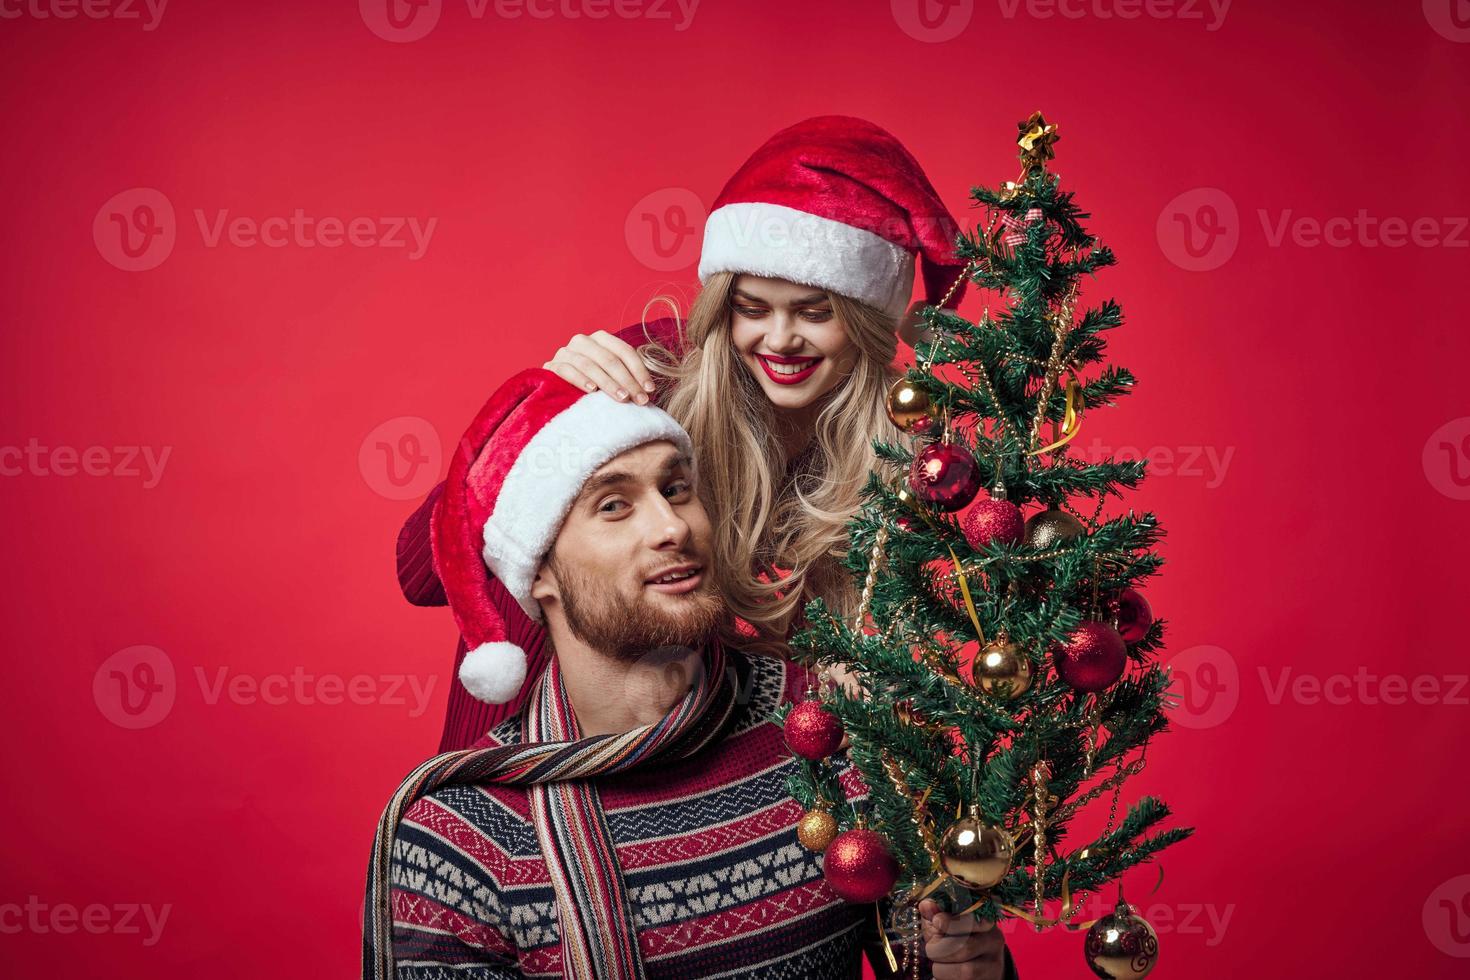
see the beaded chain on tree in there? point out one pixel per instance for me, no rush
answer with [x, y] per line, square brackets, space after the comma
[1007, 659]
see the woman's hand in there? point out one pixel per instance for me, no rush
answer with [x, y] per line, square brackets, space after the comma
[855, 690]
[962, 947]
[603, 361]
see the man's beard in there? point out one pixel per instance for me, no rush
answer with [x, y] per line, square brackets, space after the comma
[628, 629]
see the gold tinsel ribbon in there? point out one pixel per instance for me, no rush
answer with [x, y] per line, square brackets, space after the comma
[1071, 421]
[969, 600]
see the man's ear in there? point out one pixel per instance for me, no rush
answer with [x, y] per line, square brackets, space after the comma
[545, 585]
[911, 329]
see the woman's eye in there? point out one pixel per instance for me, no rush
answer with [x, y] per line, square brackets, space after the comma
[817, 316]
[753, 312]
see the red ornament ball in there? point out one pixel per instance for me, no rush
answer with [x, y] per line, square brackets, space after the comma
[944, 476]
[1092, 658]
[993, 520]
[1132, 613]
[859, 866]
[812, 731]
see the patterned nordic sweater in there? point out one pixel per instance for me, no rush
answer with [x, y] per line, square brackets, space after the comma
[719, 885]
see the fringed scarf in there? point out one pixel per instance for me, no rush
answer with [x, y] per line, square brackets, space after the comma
[598, 938]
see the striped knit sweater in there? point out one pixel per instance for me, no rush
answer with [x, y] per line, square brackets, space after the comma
[718, 884]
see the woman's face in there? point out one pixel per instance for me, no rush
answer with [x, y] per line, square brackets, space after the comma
[790, 339]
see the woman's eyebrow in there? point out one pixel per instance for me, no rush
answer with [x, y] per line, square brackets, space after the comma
[799, 301]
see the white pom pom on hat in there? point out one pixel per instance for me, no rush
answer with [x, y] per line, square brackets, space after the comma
[494, 672]
[519, 467]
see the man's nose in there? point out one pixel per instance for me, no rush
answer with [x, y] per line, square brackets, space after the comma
[666, 527]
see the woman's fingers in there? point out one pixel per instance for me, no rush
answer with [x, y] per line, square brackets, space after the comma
[603, 362]
[619, 362]
[632, 361]
[569, 374]
[589, 370]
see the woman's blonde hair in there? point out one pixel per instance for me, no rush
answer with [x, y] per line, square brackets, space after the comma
[768, 513]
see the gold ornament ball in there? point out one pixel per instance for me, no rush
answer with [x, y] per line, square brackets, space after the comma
[1002, 670]
[976, 853]
[1051, 527]
[910, 407]
[1122, 946]
[816, 829]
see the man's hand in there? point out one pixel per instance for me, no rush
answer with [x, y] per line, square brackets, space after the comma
[961, 947]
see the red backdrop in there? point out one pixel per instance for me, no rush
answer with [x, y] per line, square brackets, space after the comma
[264, 260]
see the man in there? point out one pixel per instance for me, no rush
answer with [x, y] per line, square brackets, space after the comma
[633, 821]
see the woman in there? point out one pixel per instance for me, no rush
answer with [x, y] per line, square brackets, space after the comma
[780, 375]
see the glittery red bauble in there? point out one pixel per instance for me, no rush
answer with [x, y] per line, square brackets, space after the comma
[1132, 612]
[993, 520]
[859, 866]
[1092, 658]
[812, 731]
[944, 476]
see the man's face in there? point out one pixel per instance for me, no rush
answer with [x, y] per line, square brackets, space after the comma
[630, 569]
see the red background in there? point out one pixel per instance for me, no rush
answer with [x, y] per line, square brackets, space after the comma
[1330, 835]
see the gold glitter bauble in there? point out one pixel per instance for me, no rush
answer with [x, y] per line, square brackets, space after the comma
[816, 829]
[976, 853]
[910, 407]
[1051, 527]
[1122, 946]
[1001, 669]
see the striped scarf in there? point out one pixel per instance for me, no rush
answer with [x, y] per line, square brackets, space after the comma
[598, 938]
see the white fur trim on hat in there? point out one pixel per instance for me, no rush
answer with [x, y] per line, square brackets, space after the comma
[493, 672]
[549, 473]
[779, 242]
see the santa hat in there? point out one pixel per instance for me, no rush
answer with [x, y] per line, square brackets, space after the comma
[518, 470]
[835, 202]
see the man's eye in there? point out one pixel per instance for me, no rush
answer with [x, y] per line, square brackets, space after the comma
[679, 487]
[607, 507]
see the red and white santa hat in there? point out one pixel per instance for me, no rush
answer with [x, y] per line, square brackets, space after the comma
[838, 203]
[516, 473]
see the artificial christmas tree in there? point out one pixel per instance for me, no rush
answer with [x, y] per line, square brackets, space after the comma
[1009, 671]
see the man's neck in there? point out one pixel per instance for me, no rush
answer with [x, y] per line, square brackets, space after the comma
[611, 696]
